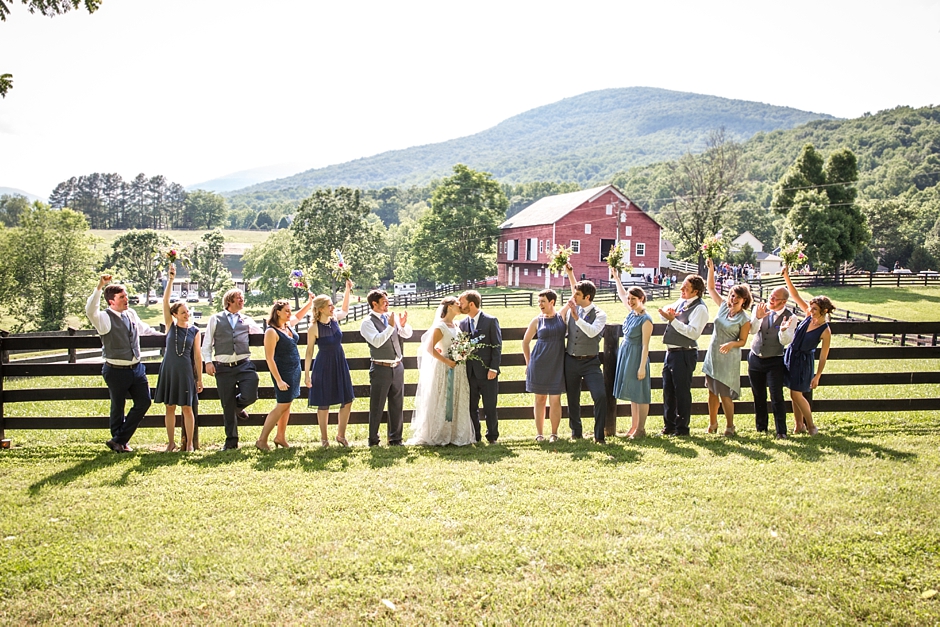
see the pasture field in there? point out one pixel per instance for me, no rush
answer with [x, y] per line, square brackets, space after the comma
[836, 529]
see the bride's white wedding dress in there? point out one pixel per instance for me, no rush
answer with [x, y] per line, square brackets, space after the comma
[442, 401]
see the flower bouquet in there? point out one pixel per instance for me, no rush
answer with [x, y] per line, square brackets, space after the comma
[793, 255]
[464, 347]
[340, 269]
[615, 259]
[174, 255]
[297, 280]
[558, 258]
[714, 248]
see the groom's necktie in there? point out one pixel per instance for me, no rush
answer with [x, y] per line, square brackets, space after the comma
[472, 327]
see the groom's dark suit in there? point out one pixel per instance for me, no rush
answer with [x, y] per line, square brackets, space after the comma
[490, 356]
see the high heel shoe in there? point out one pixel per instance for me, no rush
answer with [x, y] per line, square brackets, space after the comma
[281, 444]
[342, 442]
[262, 446]
[639, 434]
[712, 429]
[324, 443]
[800, 429]
[730, 432]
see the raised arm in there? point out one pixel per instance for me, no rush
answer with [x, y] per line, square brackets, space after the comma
[621, 290]
[167, 317]
[346, 295]
[297, 317]
[712, 290]
[793, 292]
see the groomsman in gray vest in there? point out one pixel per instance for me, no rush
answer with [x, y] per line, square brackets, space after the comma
[228, 358]
[482, 373]
[383, 331]
[586, 324]
[765, 361]
[120, 330]
[686, 320]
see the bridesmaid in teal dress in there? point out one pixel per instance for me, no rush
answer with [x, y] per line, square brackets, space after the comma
[722, 365]
[632, 378]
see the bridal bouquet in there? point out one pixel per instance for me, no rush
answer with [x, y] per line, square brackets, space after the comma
[793, 255]
[714, 248]
[297, 280]
[615, 259]
[464, 347]
[558, 258]
[174, 255]
[340, 269]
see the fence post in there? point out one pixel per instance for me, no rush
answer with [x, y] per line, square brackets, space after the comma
[611, 345]
[72, 352]
[3, 334]
[530, 299]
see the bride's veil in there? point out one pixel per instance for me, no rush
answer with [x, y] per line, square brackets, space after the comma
[425, 373]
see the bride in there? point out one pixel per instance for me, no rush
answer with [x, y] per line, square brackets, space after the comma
[442, 400]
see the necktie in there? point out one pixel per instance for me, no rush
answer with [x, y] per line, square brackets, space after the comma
[126, 320]
[770, 319]
[232, 318]
[472, 327]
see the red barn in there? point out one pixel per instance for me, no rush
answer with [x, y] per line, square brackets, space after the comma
[585, 221]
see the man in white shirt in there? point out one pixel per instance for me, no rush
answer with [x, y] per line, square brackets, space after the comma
[586, 324]
[227, 356]
[120, 329]
[686, 320]
[765, 367]
[383, 331]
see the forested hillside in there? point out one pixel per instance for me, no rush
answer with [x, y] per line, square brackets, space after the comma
[584, 139]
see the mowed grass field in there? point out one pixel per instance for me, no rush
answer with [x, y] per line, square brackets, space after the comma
[835, 529]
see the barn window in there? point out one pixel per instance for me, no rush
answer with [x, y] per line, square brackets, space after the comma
[640, 250]
[628, 231]
[575, 246]
[587, 229]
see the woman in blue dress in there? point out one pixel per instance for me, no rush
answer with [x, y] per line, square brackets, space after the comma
[545, 375]
[632, 378]
[280, 353]
[180, 377]
[327, 379]
[798, 359]
[722, 365]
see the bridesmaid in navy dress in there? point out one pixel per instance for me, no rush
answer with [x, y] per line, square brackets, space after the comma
[180, 377]
[328, 378]
[799, 356]
[632, 377]
[544, 375]
[280, 352]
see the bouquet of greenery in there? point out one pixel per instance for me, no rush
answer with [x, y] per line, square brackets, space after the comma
[615, 259]
[297, 280]
[340, 269]
[558, 258]
[793, 255]
[464, 347]
[174, 255]
[714, 248]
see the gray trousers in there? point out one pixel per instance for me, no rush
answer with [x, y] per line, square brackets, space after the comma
[386, 384]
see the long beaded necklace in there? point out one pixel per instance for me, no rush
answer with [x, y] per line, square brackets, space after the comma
[179, 350]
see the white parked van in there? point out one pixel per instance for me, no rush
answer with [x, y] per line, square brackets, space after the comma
[406, 288]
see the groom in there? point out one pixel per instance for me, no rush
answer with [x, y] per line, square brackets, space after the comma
[482, 372]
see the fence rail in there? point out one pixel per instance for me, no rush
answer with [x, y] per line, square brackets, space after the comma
[889, 356]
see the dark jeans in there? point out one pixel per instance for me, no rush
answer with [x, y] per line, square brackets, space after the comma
[386, 384]
[489, 390]
[677, 390]
[238, 388]
[590, 371]
[122, 382]
[763, 373]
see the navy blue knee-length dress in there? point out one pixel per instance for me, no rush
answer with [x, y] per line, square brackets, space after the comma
[287, 360]
[329, 374]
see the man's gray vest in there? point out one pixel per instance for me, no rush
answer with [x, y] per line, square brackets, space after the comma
[673, 337]
[579, 344]
[766, 341]
[391, 349]
[229, 341]
[121, 342]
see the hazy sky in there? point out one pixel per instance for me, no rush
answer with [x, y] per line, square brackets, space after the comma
[196, 89]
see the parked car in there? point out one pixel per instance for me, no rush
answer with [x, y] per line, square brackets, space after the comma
[133, 300]
[406, 288]
[153, 300]
[193, 298]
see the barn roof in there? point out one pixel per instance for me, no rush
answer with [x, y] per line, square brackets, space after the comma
[551, 209]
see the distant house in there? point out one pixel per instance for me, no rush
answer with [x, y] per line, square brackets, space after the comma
[585, 221]
[767, 263]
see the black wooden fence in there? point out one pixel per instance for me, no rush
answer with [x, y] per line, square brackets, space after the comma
[891, 373]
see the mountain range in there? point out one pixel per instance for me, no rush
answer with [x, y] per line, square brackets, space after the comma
[584, 139]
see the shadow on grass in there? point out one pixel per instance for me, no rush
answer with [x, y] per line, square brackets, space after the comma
[91, 464]
[821, 446]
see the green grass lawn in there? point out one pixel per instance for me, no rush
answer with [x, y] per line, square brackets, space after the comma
[835, 529]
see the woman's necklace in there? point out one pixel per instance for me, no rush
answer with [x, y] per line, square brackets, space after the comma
[181, 350]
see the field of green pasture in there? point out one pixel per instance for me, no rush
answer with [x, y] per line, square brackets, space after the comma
[834, 529]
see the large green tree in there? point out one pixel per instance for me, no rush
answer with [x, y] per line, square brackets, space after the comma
[330, 220]
[456, 239]
[268, 264]
[204, 210]
[206, 267]
[48, 8]
[46, 268]
[12, 207]
[818, 199]
[138, 258]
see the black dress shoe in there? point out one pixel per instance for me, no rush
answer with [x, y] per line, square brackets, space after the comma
[114, 446]
[667, 432]
[230, 447]
[781, 436]
[242, 414]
